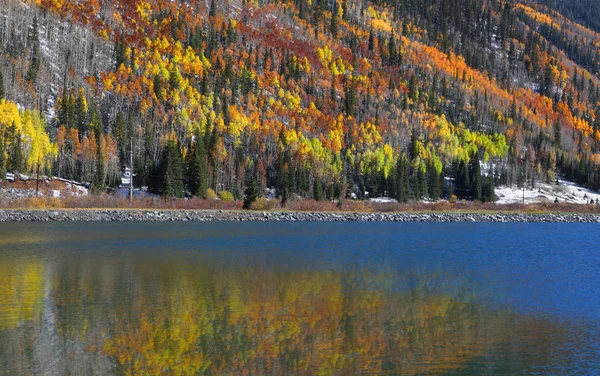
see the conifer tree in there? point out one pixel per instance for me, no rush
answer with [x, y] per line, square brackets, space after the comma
[196, 167]
[171, 170]
[489, 191]
[476, 178]
[120, 52]
[433, 180]
[333, 26]
[392, 52]
[317, 190]
[213, 9]
[251, 191]
[80, 116]
[16, 158]
[421, 186]
[98, 183]
[33, 42]
[120, 132]
[402, 178]
[282, 166]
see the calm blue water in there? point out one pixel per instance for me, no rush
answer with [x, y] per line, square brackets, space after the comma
[525, 298]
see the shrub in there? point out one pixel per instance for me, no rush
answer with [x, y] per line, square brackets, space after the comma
[210, 194]
[453, 199]
[226, 196]
[262, 203]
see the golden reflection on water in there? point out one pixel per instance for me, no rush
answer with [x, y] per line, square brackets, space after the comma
[21, 291]
[175, 318]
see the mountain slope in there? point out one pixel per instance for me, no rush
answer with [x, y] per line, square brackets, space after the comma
[315, 98]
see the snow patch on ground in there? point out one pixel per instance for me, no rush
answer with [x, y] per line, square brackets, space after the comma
[383, 200]
[565, 192]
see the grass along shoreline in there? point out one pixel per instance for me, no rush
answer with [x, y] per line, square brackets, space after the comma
[204, 208]
[104, 202]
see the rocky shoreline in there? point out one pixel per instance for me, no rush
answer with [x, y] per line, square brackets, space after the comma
[97, 215]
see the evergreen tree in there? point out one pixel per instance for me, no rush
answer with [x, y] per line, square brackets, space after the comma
[16, 158]
[462, 180]
[171, 170]
[98, 182]
[351, 99]
[333, 26]
[402, 178]
[120, 52]
[489, 194]
[196, 171]
[120, 132]
[80, 116]
[392, 52]
[421, 183]
[476, 178]
[317, 190]
[282, 167]
[433, 180]
[213, 9]
[557, 134]
[251, 191]
[33, 41]
[158, 88]
[15, 46]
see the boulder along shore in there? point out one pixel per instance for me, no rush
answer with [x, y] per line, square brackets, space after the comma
[95, 215]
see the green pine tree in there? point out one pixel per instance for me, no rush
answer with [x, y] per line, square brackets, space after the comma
[333, 26]
[33, 41]
[317, 190]
[16, 158]
[489, 194]
[80, 116]
[402, 179]
[476, 178]
[196, 171]
[171, 170]
[120, 52]
[251, 191]
[98, 182]
[433, 180]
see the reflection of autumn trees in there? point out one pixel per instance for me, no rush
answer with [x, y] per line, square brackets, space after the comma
[301, 322]
[21, 292]
[182, 319]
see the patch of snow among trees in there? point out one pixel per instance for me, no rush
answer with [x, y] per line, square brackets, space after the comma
[564, 192]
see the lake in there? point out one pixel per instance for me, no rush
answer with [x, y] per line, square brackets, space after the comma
[273, 298]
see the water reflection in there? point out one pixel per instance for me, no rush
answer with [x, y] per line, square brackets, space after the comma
[176, 318]
[147, 299]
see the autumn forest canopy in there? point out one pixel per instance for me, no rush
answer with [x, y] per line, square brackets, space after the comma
[321, 99]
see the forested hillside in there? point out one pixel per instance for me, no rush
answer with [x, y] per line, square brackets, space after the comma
[413, 99]
[586, 12]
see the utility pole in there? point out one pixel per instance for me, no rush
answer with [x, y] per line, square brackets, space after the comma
[37, 177]
[131, 170]
[524, 179]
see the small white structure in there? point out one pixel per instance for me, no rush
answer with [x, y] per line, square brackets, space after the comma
[54, 193]
[126, 177]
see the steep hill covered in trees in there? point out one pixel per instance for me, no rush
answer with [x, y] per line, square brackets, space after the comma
[316, 98]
